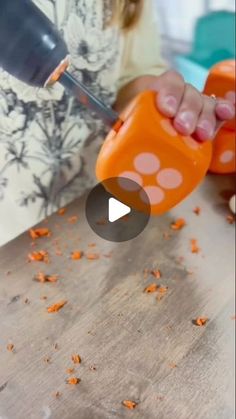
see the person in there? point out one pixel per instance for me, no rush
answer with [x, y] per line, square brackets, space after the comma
[49, 142]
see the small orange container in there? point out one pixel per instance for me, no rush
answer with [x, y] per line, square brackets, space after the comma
[221, 83]
[223, 160]
[148, 150]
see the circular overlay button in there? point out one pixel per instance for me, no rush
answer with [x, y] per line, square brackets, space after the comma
[115, 211]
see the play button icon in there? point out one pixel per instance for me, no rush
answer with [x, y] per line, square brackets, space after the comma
[117, 210]
[112, 218]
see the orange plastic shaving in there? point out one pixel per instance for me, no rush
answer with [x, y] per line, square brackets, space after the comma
[172, 365]
[76, 255]
[39, 232]
[41, 277]
[151, 288]
[92, 245]
[73, 219]
[40, 256]
[178, 224]
[194, 246]
[201, 321]
[161, 292]
[166, 236]
[70, 370]
[76, 358]
[61, 211]
[73, 380]
[129, 404]
[92, 256]
[10, 347]
[197, 210]
[156, 273]
[230, 219]
[56, 307]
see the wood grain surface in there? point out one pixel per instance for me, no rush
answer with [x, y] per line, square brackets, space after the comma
[131, 345]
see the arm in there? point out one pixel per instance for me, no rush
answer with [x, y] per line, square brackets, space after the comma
[143, 69]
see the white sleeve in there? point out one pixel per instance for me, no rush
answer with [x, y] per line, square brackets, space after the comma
[141, 48]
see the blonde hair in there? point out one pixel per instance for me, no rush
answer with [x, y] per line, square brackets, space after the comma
[126, 13]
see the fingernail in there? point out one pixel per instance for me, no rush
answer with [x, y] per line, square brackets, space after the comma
[170, 104]
[226, 110]
[186, 120]
[205, 129]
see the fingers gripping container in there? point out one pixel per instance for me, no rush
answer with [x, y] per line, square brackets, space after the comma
[221, 82]
[148, 150]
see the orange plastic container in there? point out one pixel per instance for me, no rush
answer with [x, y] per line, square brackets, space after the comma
[148, 150]
[223, 160]
[221, 83]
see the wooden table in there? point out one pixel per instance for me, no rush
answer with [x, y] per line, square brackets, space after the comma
[131, 345]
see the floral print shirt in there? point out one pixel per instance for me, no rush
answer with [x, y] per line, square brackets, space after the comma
[48, 141]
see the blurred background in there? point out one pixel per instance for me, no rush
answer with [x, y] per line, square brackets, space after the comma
[196, 35]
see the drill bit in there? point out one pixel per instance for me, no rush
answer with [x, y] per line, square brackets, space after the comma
[84, 96]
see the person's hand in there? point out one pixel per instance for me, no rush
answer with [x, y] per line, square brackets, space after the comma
[191, 111]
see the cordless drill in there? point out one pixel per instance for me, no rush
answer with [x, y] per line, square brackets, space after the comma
[142, 144]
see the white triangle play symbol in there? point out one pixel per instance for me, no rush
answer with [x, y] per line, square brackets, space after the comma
[117, 210]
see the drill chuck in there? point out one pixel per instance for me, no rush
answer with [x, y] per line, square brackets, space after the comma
[31, 47]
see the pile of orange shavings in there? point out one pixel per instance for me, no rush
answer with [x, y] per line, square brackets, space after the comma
[178, 224]
[129, 404]
[151, 288]
[36, 233]
[201, 321]
[76, 255]
[92, 256]
[54, 308]
[40, 256]
[73, 380]
[194, 246]
[76, 359]
[41, 277]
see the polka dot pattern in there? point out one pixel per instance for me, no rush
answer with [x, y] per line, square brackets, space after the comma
[130, 186]
[170, 178]
[155, 195]
[147, 163]
[227, 156]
